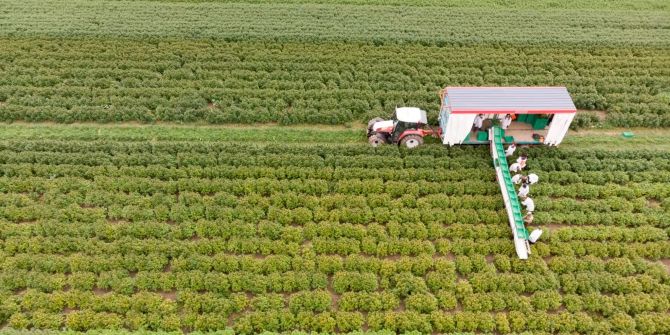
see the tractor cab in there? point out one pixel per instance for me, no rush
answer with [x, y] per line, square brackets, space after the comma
[405, 129]
[407, 118]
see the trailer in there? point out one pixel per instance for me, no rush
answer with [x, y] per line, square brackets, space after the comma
[541, 115]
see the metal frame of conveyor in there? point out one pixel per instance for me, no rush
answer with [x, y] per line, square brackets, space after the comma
[509, 193]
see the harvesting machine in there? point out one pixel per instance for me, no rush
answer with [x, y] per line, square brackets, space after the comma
[541, 115]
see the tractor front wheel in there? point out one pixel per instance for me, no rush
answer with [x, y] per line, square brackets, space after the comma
[376, 140]
[411, 141]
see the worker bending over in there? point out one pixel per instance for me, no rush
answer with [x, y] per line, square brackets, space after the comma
[522, 160]
[529, 203]
[524, 190]
[536, 233]
[515, 167]
[510, 150]
[528, 218]
[518, 178]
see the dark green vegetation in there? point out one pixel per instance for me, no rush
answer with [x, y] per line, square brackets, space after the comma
[330, 63]
[127, 228]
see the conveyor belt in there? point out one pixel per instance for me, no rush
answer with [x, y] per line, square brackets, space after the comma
[509, 193]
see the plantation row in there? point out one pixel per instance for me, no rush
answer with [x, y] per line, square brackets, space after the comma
[269, 152]
[320, 301]
[214, 191]
[628, 167]
[485, 228]
[648, 247]
[283, 321]
[153, 264]
[334, 22]
[630, 5]
[146, 140]
[185, 81]
[215, 215]
[387, 247]
[260, 151]
[277, 204]
[184, 154]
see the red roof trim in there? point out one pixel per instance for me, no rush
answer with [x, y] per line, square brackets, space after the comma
[511, 111]
[502, 87]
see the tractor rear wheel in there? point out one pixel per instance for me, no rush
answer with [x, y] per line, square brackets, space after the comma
[376, 140]
[411, 141]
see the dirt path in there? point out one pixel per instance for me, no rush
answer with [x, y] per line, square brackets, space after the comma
[129, 124]
[666, 262]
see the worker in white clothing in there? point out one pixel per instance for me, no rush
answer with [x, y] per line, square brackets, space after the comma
[528, 218]
[534, 235]
[522, 160]
[515, 167]
[517, 178]
[479, 122]
[506, 121]
[524, 190]
[529, 203]
[533, 178]
[510, 150]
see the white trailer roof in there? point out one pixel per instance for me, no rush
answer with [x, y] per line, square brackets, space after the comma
[499, 100]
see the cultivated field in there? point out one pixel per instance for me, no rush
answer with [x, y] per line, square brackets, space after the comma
[108, 227]
[327, 63]
[178, 215]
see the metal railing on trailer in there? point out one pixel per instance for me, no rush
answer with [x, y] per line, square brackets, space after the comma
[510, 198]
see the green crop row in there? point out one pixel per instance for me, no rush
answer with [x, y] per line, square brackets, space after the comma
[315, 161]
[289, 200]
[109, 142]
[320, 301]
[402, 284]
[336, 22]
[75, 80]
[152, 264]
[408, 174]
[329, 322]
[630, 5]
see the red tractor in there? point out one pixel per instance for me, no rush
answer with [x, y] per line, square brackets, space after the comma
[407, 129]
